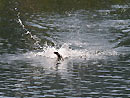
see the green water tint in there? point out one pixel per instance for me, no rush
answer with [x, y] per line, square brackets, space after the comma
[91, 35]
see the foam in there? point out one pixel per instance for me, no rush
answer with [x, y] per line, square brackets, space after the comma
[66, 52]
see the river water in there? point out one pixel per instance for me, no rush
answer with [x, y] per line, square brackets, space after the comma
[93, 36]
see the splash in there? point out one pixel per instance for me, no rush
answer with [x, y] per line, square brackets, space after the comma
[48, 60]
[68, 53]
[27, 32]
[46, 57]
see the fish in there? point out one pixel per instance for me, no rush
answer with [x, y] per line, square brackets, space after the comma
[59, 56]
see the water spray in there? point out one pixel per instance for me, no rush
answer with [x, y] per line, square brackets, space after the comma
[33, 37]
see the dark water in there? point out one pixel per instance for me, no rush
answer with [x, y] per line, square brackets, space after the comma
[93, 36]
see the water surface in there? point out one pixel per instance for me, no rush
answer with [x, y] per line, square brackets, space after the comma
[92, 36]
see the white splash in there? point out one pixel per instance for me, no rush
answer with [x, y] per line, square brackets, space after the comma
[47, 55]
[47, 59]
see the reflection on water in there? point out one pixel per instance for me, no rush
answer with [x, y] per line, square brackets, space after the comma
[93, 38]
